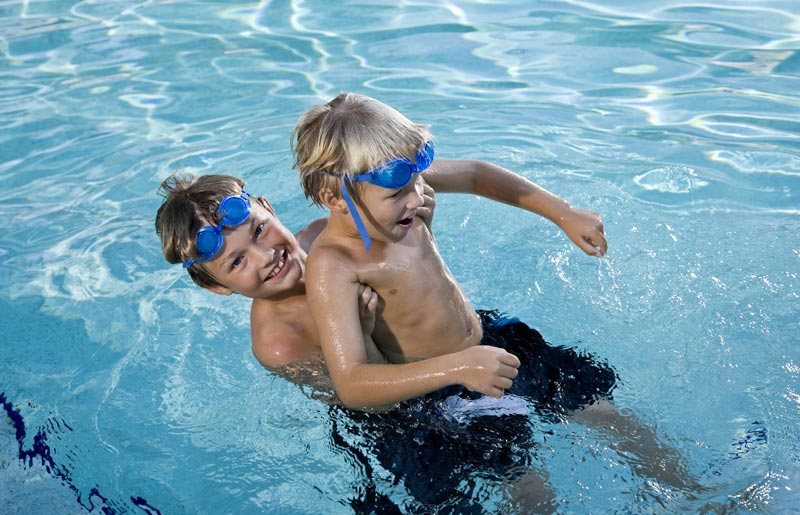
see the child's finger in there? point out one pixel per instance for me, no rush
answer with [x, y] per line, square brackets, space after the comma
[366, 293]
[372, 304]
[428, 196]
[508, 371]
[496, 392]
[510, 360]
[594, 246]
[504, 383]
[601, 244]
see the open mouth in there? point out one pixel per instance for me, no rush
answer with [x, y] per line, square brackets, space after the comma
[278, 266]
[406, 222]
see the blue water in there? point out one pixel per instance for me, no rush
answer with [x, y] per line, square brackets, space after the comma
[132, 391]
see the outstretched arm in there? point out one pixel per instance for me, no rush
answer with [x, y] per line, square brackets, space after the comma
[360, 382]
[584, 228]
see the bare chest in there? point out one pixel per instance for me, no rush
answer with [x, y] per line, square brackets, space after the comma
[422, 311]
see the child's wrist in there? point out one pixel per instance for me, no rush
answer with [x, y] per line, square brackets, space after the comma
[459, 369]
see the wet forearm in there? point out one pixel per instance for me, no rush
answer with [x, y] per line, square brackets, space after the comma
[497, 183]
[373, 385]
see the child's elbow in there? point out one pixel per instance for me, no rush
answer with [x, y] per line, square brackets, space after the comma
[352, 399]
[355, 398]
[360, 404]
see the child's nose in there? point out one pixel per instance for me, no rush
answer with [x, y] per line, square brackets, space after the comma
[416, 199]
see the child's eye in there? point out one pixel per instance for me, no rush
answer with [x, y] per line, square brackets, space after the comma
[236, 262]
[259, 230]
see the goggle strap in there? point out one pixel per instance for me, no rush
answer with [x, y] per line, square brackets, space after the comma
[362, 230]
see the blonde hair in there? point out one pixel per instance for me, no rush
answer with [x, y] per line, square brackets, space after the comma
[189, 204]
[347, 136]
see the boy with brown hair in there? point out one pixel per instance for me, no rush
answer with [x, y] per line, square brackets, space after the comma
[231, 242]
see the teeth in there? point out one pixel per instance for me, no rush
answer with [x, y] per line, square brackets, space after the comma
[275, 271]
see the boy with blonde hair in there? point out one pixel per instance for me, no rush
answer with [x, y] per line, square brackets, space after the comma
[231, 242]
[368, 164]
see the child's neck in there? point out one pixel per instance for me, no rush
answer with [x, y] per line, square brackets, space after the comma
[342, 228]
[287, 298]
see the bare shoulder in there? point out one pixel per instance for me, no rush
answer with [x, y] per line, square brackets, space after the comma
[275, 351]
[307, 235]
[279, 339]
[290, 355]
[329, 255]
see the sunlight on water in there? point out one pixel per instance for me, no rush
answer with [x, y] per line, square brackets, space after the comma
[128, 389]
[607, 281]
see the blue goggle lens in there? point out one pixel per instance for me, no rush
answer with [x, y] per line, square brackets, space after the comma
[397, 173]
[234, 210]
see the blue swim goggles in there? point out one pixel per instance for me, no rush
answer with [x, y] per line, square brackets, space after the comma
[234, 210]
[392, 175]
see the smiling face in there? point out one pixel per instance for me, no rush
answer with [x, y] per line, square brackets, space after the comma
[389, 213]
[259, 259]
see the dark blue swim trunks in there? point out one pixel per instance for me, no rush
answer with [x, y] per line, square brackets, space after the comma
[556, 379]
[435, 444]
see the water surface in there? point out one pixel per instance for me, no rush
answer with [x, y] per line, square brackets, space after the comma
[677, 121]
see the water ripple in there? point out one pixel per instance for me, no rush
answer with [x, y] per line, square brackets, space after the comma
[677, 121]
[671, 179]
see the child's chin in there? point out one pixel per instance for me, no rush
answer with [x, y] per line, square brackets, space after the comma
[282, 288]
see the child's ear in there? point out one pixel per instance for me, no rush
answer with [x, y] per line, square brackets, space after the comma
[332, 202]
[220, 290]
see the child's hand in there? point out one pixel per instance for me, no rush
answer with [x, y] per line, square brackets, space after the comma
[585, 229]
[488, 370]
[428, 205]
[367, 307]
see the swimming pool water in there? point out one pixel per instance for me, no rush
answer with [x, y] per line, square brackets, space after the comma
[132, 391]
